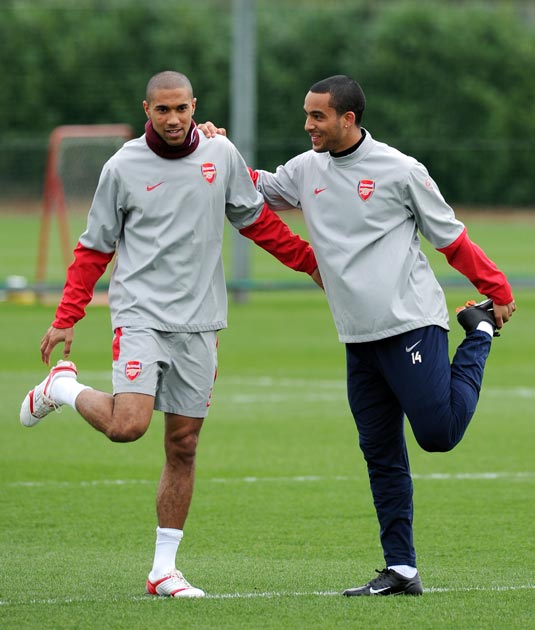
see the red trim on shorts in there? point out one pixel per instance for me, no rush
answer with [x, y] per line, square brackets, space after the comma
[116, 344]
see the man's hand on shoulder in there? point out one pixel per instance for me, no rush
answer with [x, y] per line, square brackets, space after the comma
[210, 130]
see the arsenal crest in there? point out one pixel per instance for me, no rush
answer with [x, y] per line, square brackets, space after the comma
[209, 172]
[133, 370]
[366, 188]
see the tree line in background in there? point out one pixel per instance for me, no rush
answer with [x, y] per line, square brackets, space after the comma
[450, 83]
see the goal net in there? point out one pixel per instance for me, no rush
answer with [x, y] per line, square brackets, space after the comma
[76, 154]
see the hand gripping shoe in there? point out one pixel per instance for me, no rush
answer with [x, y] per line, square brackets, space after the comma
[38, 402]
[388, 582]
[471, 314]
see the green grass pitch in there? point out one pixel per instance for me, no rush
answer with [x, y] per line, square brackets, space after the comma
[282, 518]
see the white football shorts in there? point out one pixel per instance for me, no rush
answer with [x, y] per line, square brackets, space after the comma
[178, 369]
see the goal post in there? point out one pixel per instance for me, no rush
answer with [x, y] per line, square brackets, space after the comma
[76, 154]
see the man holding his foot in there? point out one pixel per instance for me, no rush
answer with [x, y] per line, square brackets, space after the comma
[160, 205]
[365, 204]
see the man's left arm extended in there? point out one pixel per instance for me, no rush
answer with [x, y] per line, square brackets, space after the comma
[271, 233]
[469, 259]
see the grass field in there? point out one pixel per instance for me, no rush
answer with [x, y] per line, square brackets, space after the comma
[282, 518]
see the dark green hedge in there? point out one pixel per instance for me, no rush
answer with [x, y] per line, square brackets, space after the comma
[450, 83]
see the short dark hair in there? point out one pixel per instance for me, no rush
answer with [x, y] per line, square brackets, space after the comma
[167, 80]
[346, 95]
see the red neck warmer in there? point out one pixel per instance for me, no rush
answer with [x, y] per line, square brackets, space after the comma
[161, 148]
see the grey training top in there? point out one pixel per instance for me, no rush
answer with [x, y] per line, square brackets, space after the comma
[363, 212]
[166, 219]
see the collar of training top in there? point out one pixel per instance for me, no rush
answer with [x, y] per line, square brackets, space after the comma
[351, 149]
[161, 148]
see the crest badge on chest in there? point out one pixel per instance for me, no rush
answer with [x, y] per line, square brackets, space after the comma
[209, 172]
[366, 188]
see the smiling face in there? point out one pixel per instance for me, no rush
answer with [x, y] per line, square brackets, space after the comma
[171, 112]
[328, 130]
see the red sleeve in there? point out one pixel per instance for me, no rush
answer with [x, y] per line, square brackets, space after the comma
[472, 262]
[82, 276]
[253, 174]
[271, 233]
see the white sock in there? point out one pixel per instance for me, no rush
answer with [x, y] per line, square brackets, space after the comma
[405, 570]
[64, 391]
[167, 541]
[486, 327]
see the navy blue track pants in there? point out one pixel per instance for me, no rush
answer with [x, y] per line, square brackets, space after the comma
[410, 374]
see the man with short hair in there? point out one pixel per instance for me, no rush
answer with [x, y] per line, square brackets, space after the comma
[364, 203]
[160, 205]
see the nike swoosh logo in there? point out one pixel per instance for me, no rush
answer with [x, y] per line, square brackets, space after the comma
[317, 191]
[413, 346]
[374, 591]
[149, 188]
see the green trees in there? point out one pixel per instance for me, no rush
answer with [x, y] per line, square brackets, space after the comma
[456, 89]
[450, 83]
